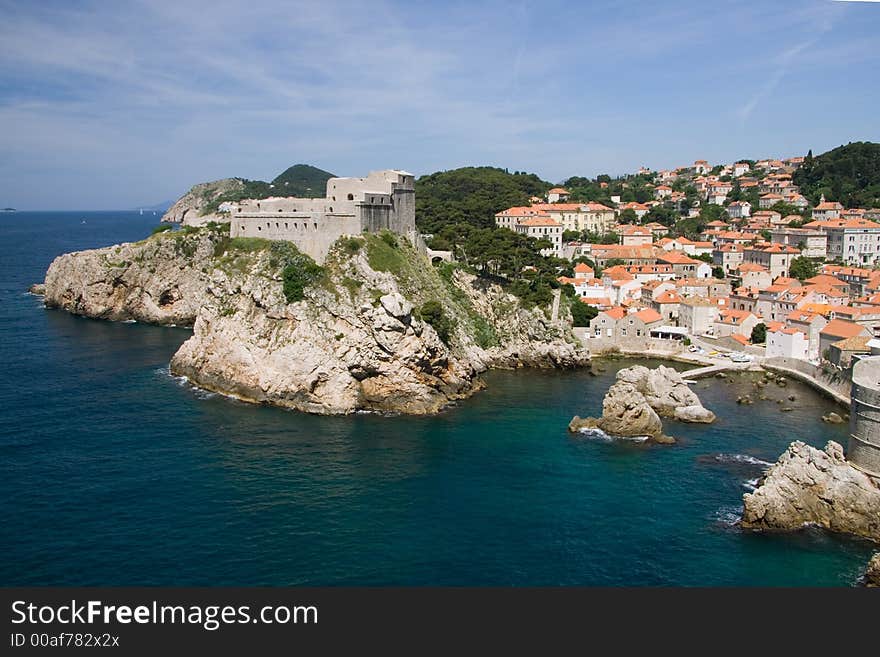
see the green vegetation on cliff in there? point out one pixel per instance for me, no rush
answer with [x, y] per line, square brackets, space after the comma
[849, 174]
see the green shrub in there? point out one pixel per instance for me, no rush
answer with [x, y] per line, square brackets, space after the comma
[351, 245]
[389, 238]
[433, 313]
[298, 274]
[383, 256]
[161, 228]
[484, 335]
[582, 313]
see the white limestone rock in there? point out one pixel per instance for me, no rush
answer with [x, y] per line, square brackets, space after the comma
[339, 350]
[667, 393]
[625, 412]
[811, 486]
[190, 209]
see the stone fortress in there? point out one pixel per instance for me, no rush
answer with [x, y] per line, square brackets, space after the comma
[384, 200]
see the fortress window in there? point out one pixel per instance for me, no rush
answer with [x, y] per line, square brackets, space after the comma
[331, 207]
[316, 226]
[280, 210]
[277, 225]
[334, 198]
[350, 197]
[259, 228]
[285, 225]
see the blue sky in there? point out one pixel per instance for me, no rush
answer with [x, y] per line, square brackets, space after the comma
[108, 105]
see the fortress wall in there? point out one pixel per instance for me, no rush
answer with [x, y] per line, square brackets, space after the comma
[312, 233]
[864, 441]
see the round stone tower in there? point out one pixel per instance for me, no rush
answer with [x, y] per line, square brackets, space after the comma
[864, 423]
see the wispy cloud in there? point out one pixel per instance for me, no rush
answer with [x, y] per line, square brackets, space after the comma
[148, 97]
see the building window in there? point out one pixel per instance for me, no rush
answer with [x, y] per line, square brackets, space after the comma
[350, 197]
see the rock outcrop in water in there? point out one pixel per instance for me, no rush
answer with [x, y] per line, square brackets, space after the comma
[625, 412]
[667, 393]
[808, 486]
[639, 397]
[355, 341]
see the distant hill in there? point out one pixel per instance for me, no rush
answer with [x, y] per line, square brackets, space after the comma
[158, 207]
[849, 174]
[472, 195]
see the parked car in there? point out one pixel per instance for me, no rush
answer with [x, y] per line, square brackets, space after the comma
[740, 358]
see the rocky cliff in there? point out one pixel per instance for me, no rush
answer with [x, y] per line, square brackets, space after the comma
[811, 486]
[192, 208]
[354, 335]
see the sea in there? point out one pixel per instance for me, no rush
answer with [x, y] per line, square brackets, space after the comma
[114, 472]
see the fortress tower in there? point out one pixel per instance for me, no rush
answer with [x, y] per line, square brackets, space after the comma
[864, 422]
[384, 200]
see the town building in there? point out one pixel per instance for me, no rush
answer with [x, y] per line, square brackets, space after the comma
[542, 227]
[787, 342]
[557, 194]
[698, 315]
[853, 241]
[810, 242]
[776, 258]
[837, 330]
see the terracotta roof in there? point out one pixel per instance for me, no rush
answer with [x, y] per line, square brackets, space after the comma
[649, 315]
[616, 313]
[583, 268]
[802, 316]
[734, 316]
[743, 340]
[558, 190]
[699, 301]
[677, 258]
[668, 297]
[540, 220]
[825, 279]
[519, 211]
[840, 328]
[843, 223]
[855, 343]
[636, 230]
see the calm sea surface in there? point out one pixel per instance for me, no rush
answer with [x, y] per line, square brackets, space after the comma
[112, 472]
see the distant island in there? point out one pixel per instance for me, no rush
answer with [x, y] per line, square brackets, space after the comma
[8, 210]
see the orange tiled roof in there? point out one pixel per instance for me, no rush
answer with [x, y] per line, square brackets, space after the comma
[649, 315]
[840, 328]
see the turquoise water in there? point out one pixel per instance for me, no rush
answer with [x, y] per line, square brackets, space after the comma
[113, 472]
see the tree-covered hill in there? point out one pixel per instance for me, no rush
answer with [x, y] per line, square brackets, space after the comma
[849, 174]
[471, 195]
[303, 180]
